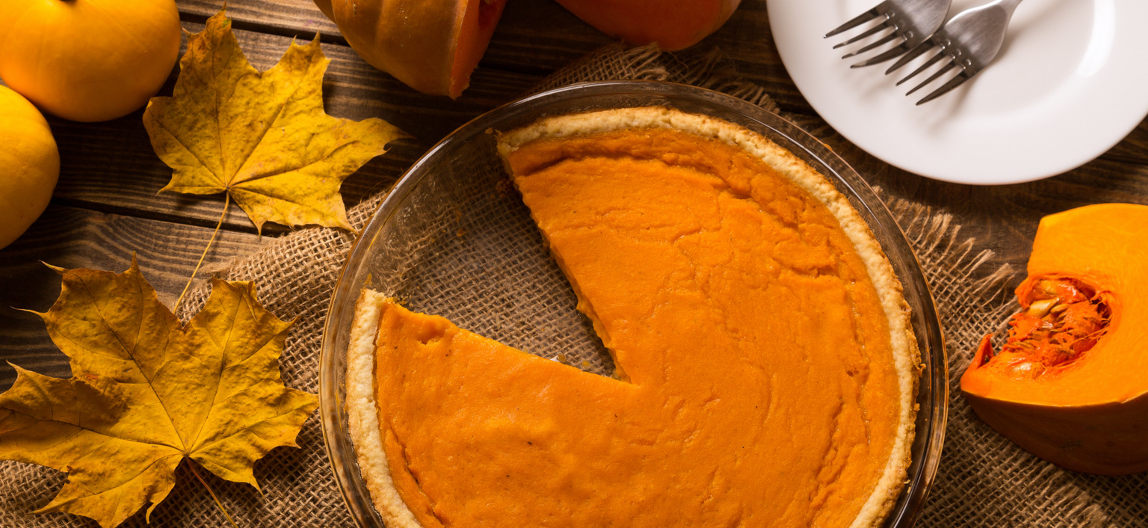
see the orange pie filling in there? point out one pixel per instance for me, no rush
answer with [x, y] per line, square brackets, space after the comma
[765, 368]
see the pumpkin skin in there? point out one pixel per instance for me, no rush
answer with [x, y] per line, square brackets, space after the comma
[672, 24]
[1089, 414]
[29, 165]
[88, 60]
[429, 45]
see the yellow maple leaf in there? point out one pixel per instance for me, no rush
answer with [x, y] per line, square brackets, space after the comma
[263, 138]
[147, 391]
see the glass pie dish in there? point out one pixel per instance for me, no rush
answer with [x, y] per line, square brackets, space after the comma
[454, 239]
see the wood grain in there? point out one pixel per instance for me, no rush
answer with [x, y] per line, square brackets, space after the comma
[301, 18]
[534, 36]
[71, 237]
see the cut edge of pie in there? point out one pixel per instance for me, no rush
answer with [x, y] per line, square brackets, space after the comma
[361, 404]
[363, 416]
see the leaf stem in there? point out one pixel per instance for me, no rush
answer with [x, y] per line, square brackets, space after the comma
[191, 464]
[226, 203]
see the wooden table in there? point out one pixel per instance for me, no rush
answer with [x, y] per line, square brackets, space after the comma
[106, 206]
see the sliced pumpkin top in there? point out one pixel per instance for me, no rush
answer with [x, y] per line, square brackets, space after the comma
[761, 381]
[1110, 269]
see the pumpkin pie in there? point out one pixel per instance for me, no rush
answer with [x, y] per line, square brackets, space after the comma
[766, 368]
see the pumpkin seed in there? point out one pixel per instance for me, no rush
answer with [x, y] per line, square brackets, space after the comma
[1041, 308]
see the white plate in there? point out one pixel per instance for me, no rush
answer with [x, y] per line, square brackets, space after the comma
[1070, 82]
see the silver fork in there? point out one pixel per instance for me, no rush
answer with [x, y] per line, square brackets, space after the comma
[912, 22]
[970, 41]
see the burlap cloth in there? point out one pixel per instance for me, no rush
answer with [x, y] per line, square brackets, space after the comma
[984, 479]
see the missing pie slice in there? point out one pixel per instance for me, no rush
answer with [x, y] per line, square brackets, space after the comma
[766, 365]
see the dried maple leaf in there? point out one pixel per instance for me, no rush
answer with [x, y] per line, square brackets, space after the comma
[263, 138]
[147, 391]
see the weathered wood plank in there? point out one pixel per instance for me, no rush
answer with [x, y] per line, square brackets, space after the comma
[77, 238]
[533, 36]
[278, 17]
[536, 36]
[748, 40]
[111, 167]
[540, 36]
[1134, 147]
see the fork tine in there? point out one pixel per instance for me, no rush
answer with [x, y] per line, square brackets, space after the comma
[876, 29]
[948, 66]
[917, 51]
[946, 88]
[887, 39]
[889, 54]
[932, 60]
[855, 21]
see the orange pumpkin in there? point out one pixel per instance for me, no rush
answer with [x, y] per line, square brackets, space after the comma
[674, 25]
[88, 60]
[429, 45]
[1069, 385]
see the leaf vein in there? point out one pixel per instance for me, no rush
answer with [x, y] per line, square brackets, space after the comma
[290, 97]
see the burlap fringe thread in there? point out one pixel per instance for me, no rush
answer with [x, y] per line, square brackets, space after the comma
[984, 481]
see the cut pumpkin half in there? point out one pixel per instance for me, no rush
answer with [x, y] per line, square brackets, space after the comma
[429, 45]
[1068, 385]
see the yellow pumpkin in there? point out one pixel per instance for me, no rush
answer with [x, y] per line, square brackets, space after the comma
[88, 60]
[29, 165]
